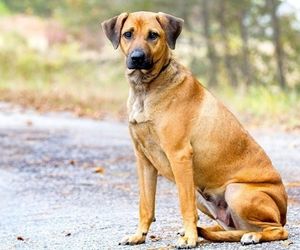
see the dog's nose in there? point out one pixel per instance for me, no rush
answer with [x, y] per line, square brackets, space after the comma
[137, 56]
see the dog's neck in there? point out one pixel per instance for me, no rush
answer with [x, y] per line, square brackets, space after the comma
[145, 79]
[141, 87]
[161, 77]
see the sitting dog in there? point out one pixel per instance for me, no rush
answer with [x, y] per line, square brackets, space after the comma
[181, 131]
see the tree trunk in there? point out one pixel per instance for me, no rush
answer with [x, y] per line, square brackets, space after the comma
[246, 70]
[273, 6]
[226, 47]
[212, 80]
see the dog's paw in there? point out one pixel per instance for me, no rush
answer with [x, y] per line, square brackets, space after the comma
[186, 243]
[250, 238]
[133, 239]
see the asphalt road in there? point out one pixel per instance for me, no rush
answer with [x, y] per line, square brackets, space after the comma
[69, 183]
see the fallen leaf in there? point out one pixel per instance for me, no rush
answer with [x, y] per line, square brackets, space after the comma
[154, 238]
[20, 238]
[99, 170]
[29, 123]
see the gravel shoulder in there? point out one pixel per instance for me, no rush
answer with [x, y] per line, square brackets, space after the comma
[69, 183]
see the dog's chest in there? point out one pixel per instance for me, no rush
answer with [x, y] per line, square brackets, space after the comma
[146, 140]
[138, 110]
[138, 113]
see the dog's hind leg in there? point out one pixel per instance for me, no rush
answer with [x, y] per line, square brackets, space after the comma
[268, 234]
[221, 236]
[215, 228]
[245, 237]
[256, 217]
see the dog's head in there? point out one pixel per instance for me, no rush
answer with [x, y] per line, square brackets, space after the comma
[144, 37]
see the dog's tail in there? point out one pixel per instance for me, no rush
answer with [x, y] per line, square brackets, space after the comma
[221, 236]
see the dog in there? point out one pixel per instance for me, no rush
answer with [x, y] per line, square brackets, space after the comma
[181, 131]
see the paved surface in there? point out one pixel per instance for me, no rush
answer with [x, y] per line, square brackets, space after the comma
[52, 198]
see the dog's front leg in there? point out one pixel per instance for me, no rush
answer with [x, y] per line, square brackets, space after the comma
[147, 175]
[181, 163]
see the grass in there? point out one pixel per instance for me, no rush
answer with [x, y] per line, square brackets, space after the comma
[67, 78]
[63, 78]
[264, 105]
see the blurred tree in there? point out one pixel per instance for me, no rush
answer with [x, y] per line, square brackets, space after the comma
[273, 7]
[212, 79]
[243, 15]
[41, 7]
[225, 43]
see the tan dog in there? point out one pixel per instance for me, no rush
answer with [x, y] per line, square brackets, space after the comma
[181, 131]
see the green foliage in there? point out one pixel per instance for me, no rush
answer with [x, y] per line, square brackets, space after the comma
[62, 64]
[3, 9]
[268, 104]
[40, 7]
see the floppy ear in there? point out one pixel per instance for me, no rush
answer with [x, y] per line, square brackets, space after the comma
[172, 26]
[112, 28]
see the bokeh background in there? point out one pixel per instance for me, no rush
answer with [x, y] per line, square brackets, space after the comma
[54, 56]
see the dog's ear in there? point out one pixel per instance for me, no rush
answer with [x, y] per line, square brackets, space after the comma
[112, 28]
[172, 26]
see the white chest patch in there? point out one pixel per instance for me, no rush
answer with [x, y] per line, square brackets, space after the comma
[137, 113]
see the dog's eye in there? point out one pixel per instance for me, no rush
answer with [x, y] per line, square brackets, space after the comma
[153, 35]
[127, 34]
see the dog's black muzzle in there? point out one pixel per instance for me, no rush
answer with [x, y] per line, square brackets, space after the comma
[137, 59]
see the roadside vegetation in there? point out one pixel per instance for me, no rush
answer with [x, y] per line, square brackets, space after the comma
[54, 57]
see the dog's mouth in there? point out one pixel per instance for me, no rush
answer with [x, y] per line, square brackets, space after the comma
[145, 65]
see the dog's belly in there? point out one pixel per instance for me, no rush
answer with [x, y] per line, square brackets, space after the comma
[147, 141]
